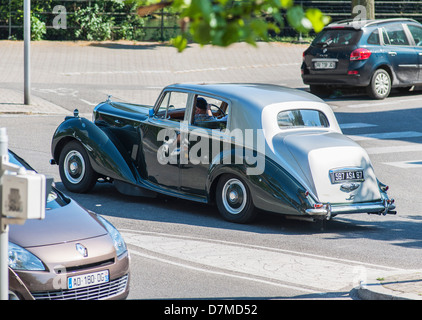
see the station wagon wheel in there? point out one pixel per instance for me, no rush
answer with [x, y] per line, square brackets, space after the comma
[75, 169]
[233, 199]
[380, 85]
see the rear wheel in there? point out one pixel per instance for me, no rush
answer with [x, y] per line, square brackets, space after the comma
[380, 85]
[75, 169]
[233, 199]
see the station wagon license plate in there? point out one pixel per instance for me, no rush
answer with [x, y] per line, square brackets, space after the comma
[325, 65]
[339, 176]
[86, 280]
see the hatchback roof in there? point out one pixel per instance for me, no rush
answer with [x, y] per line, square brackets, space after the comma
[359, 24]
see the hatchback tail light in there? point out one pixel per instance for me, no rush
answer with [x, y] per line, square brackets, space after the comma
[360, 54]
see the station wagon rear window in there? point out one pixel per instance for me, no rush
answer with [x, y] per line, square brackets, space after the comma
[336, 37]
[302, 118]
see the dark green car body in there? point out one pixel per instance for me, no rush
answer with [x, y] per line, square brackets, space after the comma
[144, 150]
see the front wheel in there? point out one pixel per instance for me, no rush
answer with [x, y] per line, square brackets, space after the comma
[233, 200]
[380, 85]
[75, 169]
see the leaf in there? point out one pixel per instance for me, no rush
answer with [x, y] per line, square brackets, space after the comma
[180, 42]
[316, 18]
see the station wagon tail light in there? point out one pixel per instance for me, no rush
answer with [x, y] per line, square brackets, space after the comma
[360, 54]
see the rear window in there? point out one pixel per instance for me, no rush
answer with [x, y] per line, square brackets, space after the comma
[337, 37]
[302, 118]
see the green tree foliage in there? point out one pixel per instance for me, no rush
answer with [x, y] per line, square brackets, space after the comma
[223, 22]
[216, 22]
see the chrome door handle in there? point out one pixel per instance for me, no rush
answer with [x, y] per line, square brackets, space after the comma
[392, 53]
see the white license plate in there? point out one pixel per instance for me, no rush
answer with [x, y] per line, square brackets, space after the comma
[340, 176]
[89, 279]
[325, 65]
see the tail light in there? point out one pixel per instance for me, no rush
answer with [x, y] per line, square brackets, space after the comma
[360, 54]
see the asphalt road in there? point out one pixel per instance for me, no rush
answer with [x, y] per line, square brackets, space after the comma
[181, 249]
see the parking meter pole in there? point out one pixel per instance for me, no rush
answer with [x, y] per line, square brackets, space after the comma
[4, 232]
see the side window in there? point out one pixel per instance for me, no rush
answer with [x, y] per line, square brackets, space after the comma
[210, 113]
[397, 35]
[385, 38]
[416, 34]
[173, 106]
[374, 38]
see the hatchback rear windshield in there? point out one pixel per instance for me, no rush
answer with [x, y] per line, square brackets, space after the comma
[302, 118]
[336, 37]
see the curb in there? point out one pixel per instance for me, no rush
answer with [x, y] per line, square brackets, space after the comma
[376, 291]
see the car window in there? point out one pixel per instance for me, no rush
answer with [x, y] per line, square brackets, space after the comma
[385, 38]
[336, 37]
[302, 118]
[374, 38]
[173, 106]
[54, 199]
[416, 34]
[214, 117]
[396, 35]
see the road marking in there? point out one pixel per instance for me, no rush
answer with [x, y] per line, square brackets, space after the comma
[184, 265]
[383, 103]
[386, 135]
[87, 102]
[222, 68]
[408, 164]
[356, 125]
[300, 270]
[394, 149]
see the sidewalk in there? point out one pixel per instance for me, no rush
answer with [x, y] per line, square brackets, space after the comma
[12, 102]
[398, 287]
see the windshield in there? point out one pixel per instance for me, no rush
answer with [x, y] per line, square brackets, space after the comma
[302, 118]
[54, 199]
[336, 37]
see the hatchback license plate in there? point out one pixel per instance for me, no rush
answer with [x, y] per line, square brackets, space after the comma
[325, 65]
[87, 280]
[346, 175]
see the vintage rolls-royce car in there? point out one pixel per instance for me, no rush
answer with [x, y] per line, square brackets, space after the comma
[241, 146]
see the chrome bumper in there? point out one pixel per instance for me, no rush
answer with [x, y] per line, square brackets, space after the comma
[381, 208]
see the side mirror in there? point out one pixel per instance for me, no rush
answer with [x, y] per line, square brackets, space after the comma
[151, 112]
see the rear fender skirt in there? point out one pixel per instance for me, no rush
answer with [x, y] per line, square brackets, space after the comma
[104, 155]
[273, 190]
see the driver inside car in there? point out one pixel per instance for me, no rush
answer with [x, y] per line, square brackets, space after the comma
[203, 112]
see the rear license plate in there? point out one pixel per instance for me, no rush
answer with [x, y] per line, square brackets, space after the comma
[339, 176]
[325, 65]
[86, 280]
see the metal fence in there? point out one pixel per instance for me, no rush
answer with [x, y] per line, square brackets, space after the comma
[159, 26]
[163, 24]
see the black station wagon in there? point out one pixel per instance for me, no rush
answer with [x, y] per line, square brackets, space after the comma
[375, 54]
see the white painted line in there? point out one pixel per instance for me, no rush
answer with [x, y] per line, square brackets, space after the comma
[383, 103]
[394, 149]
[356, 125]
[184, 265]
[87, 102]
[222, 68]
[386, 135]
[257, 262]
[408, 164]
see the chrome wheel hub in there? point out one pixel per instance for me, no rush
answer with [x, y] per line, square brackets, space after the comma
[74, 167]
[234, 196]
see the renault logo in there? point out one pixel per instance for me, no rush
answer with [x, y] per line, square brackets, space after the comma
[82, 250]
